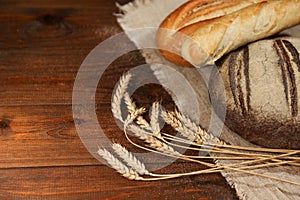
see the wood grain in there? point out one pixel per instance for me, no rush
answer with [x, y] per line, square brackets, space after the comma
[42, 45]
[101, 182]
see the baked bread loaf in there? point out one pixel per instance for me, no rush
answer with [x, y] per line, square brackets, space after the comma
[202, 31]
[262, 84]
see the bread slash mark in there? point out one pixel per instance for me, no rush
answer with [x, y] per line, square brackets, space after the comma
[288, 77]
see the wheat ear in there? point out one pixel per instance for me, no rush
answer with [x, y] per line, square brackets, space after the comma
[150, 133]
[133, 111]
[149, 136]
[198, 130]
[157, 144]
[171, 119]
[118, 165]
[130, 159]
[151, 140]
[118, 95]
[154, 121]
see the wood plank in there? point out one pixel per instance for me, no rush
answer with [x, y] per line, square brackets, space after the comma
[102, 182]
[26, 144]
[41, 51]
[42, 44]
[40, 136]
[32, 136]
[54, 86]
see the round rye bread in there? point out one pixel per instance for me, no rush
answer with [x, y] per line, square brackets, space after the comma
[262, 85]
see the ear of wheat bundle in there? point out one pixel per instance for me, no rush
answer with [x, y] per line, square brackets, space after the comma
[192, 137]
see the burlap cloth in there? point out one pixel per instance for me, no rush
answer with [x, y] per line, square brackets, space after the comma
[150, 13]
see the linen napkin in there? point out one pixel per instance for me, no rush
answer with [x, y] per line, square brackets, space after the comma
[150, 13]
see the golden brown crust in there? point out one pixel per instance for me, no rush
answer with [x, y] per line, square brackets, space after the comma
[188, 18]
[219, 26]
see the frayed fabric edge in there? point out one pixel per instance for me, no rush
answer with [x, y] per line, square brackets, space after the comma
[241, 194]
[125, 9]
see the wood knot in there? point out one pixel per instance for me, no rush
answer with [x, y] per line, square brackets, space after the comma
[4, 127]
[4, 123]
[50, 24]
[50, 19]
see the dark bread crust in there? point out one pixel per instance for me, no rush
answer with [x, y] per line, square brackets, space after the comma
[262, 85]
[266, 132]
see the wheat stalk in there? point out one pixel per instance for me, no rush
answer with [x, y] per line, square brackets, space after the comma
[132, 175]
[150, 134]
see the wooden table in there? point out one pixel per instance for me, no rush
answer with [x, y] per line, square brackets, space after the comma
[42, 45]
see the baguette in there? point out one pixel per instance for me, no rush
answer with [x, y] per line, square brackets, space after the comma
[201, 31]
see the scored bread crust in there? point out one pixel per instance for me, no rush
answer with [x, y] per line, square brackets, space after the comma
[261, 82]
[201, 31]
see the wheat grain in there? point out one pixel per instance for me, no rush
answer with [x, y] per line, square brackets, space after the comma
[132, 109]
[190, 124]
[191, 130]
[139, 132]
[135, 113]
[143, 123]
[154, 122]
[152, 141]
[131, 106]
[130, 159]
[171, 119]
[132, 116]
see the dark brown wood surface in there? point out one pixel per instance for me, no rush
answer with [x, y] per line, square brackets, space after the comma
[42, 44]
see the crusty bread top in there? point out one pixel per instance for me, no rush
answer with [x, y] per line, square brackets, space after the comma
[249, 24]
[188, 18]
[205, 30]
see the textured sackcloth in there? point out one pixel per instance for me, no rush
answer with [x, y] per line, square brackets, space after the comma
[150, 13]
